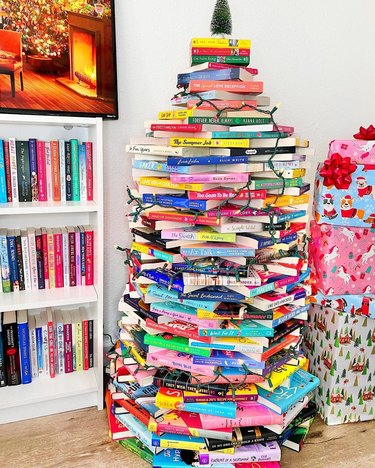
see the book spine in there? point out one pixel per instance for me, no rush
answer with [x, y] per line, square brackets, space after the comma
[42, 171]
[5, 267]
[219, 51]
[33, 170]
[77, 235]
[39, 349]
[85, 344]
[33, 259]
[49, 183]
[8, 174]
[208, 178]
[60, 347]
[3, 374]
[26, 260]
[68, 348]
[196, 59]
[244, 105]
[75, 170]
[21, 272]
[11, 352]
[23, 171]
[33, 353]
[72, 258]
[40, 261]
[89, 171]
[51, 259]
[68, 171]
[89, 248]
[13, 169]
[78, 345]
[91, 342]
[65, 246]
[82, 172]
[58, 257]
[45, 349]
[51, 349]
[62, 170]
[3, 179]
[82, 254]
[55, 160]
[175, 161]
[24, 349]
[13, 267]
[220, 42]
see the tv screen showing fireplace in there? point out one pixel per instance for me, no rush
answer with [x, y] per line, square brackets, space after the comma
[57, 57]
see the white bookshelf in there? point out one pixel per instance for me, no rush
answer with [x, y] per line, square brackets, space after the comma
[65, 392]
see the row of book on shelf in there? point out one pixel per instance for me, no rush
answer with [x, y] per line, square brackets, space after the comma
[39, 171]
[46, 258]
[47, 343]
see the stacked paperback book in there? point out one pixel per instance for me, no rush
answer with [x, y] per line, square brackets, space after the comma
[208, 368]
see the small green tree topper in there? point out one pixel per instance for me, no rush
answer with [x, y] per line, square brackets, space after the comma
[221, 22]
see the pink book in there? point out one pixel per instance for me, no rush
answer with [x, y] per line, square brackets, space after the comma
[177, 360]
[208, 178]
[45, 257]
[89, 171]
[189, 318]
[244, 105]
[42, 176]
[78, 256]
[49, 182]
[57, 243]
[51, 258]
[257, 465]
[191, 128]
[241, 87]
[68, 343]
[223, 194]
[51, 344]
[249, 413]
[284, 129]
[89, 249]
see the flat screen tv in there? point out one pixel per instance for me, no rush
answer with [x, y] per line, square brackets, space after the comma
[58, 57]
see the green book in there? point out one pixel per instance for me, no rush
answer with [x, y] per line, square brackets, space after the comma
[243, 60]
[229, 120]
[275, 183]
[75, 170]
[135, 446]
[177, 343]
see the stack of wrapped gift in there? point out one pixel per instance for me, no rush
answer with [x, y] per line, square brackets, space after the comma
[341, 339]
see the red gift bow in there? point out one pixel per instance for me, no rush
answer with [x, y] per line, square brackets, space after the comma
[336, 171]
[365, 133]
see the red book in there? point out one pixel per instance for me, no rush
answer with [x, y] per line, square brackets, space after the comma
[191, 128]
[7, 170]
[42, 175]
[117, 431]
[72, 256]
[57, 244]
[45, 256]
[240, 87]
[220, 51]
[89, 249]
[68, 342]
[136, 410]
[51, 344]
[55, 170]
[85, 340]
[89, 171]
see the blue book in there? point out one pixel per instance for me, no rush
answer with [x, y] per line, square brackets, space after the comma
[12, 258]
[217, 251]
[39, 345]
[225, 409]
[289, 393]
[171, 458]
[213, 74]
[302, 277]
[214, 293]
[33, 170]
[178, 440]
[294, 311]
[160, 307]
[251, 135]
[247, 328]
[228, 359]
[24, 346]
[4, 262]
[178, 202]
[159, 166]
[140, 430]
[205, 160]
[3, 179]
[282, 217]
[164, 278]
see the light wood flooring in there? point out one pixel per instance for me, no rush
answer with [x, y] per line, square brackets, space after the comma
[80, 439]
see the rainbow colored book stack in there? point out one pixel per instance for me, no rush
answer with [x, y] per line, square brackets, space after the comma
[208, 367]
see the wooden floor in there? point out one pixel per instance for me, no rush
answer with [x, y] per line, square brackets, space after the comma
[42, 91]
[79, 439]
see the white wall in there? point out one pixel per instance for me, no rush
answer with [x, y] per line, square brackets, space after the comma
[315, 57]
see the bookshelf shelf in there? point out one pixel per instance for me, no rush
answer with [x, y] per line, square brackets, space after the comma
[75, 390]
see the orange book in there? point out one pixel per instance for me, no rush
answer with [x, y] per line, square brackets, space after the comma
[56, 189]
[244, 87]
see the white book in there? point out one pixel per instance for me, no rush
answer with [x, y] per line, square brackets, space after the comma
[26, 260]
[33, 260]
[65, 246]
[62, 170]
[44, 325]
[289, 415]
[49, 170]
[13, 169]
[59, 341]
[33, 350]
[252, 128]
[161, 149]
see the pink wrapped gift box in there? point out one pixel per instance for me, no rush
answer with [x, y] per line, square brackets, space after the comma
[360, 151]
[342, 259]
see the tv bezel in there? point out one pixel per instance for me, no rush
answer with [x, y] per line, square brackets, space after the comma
[114, 116]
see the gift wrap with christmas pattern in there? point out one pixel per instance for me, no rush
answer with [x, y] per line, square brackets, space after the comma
[352, 304]
[359, 151]
[345, 200]
[341, 349]
[342, 259]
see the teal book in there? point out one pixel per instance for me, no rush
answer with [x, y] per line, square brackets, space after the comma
[75, 170]
[225, 409]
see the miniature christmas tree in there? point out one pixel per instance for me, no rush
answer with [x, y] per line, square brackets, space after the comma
[221, 22]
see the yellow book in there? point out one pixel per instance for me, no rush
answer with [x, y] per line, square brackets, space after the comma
[220, 42]
[130, 345]
[166, 183]
[78, 340]
[277, 377]
[302, 143]
[210, 143]
[284, 200]
[175, 114]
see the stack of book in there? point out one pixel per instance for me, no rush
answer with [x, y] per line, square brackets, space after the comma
[44, 344]
[208, 367]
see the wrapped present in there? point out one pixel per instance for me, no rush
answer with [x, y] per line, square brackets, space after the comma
[341, 349]
[359, 151]
[345, 200]
[342, 259]
[352, 304]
